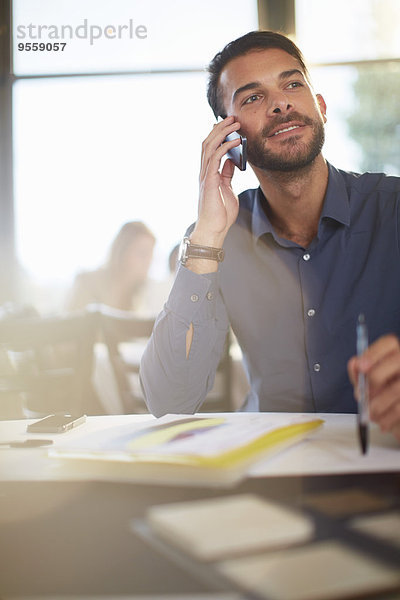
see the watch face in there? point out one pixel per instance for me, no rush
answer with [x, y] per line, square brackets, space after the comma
[182, 257]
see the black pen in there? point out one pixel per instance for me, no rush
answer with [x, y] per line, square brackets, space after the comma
[363, 402]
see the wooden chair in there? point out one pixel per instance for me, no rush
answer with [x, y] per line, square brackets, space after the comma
[125, 337]
[47, 364]
[119, 330]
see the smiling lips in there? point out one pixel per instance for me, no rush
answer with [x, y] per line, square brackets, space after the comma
[284, 130]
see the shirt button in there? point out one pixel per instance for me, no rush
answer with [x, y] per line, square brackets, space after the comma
[306, 257]
[194, 298]
[210, 296]
[311, 312]
[317, 367]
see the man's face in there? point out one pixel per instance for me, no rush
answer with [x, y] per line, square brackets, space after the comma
[278, 112]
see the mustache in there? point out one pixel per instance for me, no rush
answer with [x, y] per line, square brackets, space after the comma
[268, 129]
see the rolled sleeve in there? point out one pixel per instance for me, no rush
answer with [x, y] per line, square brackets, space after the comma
[193, 297]
[173, 382]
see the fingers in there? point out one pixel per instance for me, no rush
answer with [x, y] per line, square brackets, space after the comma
[218, 204]
[384, 382]
[381, 363]
[396, 431]
[387, 344]
[214, 147]
[384, 372]
[221, 130]
[385, 407]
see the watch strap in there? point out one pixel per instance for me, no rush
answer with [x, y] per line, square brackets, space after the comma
[190, 250]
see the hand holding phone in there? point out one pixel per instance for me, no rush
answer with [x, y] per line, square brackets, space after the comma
[218, 205]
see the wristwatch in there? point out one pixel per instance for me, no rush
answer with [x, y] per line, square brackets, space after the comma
[188, 250]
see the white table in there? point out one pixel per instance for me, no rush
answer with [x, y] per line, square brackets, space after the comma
[64, 535]
[332, 449]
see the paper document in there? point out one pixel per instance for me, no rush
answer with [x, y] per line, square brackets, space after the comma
[193, 449]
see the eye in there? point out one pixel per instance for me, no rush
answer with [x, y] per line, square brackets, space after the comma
[251, 99]
[295, 84]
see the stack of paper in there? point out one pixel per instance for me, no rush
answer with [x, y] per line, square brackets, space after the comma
[189, 449]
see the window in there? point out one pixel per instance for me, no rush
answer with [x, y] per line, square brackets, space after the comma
[110, 130]
[354, 46]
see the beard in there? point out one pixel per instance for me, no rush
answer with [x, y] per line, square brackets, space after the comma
[293, 155]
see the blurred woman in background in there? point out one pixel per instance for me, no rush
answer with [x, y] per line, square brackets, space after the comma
[121, 282]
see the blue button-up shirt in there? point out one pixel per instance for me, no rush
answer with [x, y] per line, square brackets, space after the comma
[293, 309]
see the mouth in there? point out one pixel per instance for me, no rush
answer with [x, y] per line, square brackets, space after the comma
[283, 130]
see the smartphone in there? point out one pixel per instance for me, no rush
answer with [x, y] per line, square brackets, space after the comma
[56, 423]
[238, 154]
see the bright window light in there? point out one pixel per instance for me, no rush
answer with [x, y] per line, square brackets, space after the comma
[94, 152]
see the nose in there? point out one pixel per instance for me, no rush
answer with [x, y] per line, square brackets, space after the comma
[279, 104]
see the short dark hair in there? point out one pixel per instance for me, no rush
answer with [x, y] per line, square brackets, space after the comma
[255, 40]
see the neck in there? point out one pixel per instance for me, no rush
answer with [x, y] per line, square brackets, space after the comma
[295, 200]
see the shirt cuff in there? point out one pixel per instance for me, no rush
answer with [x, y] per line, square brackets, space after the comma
[193, 296]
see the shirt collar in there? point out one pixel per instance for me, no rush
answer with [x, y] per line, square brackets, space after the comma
[336, 205]
[260, 223]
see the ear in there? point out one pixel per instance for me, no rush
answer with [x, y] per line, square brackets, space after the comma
[322, 106]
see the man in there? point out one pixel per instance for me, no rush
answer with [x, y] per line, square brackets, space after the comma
[305, 254]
